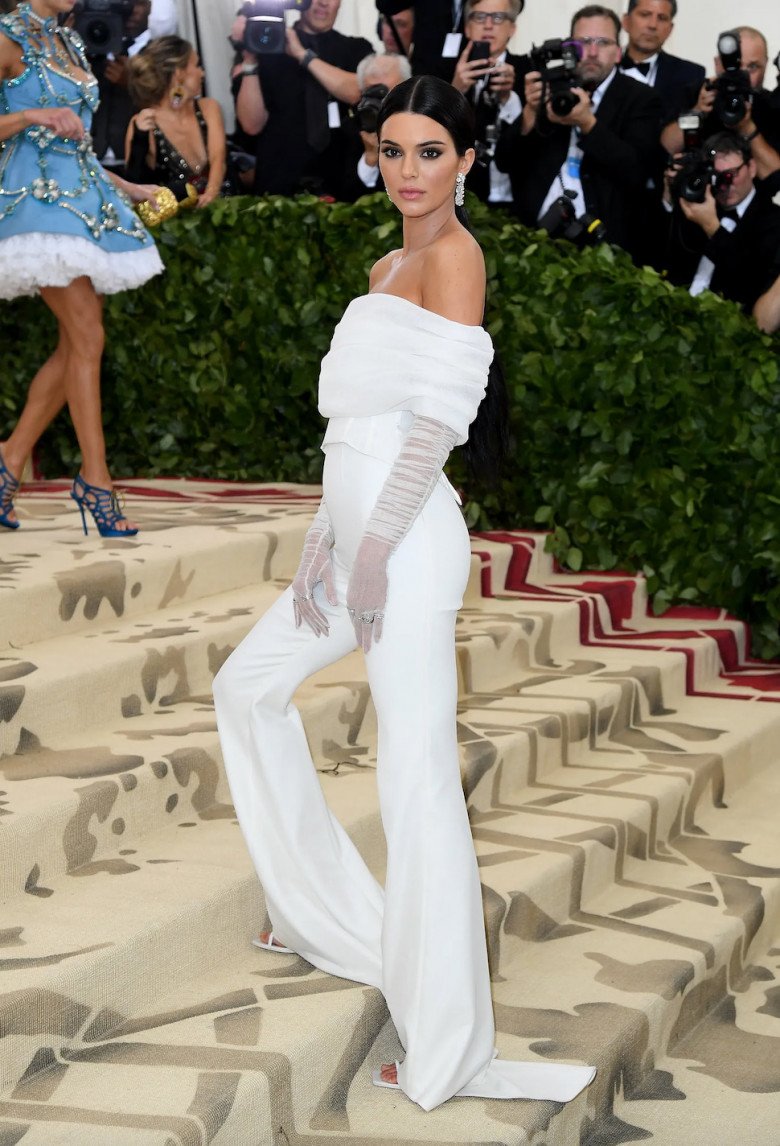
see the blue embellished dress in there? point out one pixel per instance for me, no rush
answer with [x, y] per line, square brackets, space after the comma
[61, 216]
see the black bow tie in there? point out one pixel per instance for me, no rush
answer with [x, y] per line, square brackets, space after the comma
[728, 213]
[627, 63]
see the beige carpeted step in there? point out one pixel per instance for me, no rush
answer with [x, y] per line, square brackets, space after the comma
[623, 828]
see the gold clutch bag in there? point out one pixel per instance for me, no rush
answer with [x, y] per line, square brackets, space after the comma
[166, 204]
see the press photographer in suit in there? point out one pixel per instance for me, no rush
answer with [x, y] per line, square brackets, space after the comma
[377, 75]
[603, 150]
[649, 24]
[292, 104]
[759, 124]
[493, 84]
[728, 242]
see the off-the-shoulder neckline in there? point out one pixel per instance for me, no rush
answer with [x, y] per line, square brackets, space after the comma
[423, 309]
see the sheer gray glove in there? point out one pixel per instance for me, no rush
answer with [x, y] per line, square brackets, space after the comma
[315, 566]
[408, 486]
[367, 590]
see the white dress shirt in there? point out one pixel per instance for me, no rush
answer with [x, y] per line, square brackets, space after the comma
[706, 267]
[568, 178]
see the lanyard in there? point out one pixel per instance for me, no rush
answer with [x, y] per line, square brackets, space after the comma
[457, 12]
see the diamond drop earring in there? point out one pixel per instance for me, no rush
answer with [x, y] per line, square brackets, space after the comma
[460, 189]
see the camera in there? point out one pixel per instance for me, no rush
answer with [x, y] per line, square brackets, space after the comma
[101, 23]
[367, 109]
[560, 222]
[266, 26]
[694, 173]
[733, 90]
[557, 61]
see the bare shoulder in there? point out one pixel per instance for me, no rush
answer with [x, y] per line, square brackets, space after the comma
[211, 109]
[453, 278]
[381, 268]
[10, 52]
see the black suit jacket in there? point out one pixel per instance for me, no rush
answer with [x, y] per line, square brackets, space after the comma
[286, 162]
[745, 259]
[478, 179]
[675, 79]
[432, 22]
[618, 159]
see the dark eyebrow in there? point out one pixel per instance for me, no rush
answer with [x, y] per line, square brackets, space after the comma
[428, 143]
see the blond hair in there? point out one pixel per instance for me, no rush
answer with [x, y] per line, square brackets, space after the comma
[150, 73]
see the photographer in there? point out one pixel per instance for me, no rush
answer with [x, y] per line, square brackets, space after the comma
[601, 151]
[648, 25]
[492, 80]
[724, 232]
[735, 99]
[377, 75]
[295, 103]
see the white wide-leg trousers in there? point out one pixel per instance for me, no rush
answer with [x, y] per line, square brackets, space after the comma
[421, 941]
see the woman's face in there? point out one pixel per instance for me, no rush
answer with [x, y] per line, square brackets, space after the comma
[192, 76]
[419, 163]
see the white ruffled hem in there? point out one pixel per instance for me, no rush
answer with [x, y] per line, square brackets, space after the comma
[37, 259]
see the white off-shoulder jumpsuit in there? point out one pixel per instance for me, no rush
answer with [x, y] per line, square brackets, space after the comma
[421, 939]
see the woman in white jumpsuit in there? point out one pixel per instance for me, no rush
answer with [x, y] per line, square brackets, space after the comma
[384, 567]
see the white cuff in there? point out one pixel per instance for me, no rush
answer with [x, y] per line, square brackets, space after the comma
[368, 175]
[511, 109]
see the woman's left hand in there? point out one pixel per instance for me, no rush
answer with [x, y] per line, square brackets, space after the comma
[208, 196]
[367, 590]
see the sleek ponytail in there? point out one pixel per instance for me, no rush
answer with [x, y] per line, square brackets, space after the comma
[488, 440]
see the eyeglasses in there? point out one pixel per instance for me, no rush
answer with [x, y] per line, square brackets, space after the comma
[483, 17]
[729, 174]
[594, 42]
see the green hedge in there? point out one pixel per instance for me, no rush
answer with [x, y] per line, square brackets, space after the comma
[645, 423]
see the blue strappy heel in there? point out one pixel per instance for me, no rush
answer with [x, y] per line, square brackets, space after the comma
[104, 506]
[8, 487]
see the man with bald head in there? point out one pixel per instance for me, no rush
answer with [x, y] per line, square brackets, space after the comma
[760, 126]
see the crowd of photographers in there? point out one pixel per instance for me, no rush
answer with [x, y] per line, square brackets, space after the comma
[598, 135]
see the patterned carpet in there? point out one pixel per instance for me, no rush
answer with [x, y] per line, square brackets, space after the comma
[623, 778]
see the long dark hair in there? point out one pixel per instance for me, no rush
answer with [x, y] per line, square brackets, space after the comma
[440, 101]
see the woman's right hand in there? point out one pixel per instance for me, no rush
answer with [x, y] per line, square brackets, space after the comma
[145, 120]
[61, 120]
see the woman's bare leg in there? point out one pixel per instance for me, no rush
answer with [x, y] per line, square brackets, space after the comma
[71, 375]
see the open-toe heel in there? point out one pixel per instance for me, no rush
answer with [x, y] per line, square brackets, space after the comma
[8, 487]
[104, 506]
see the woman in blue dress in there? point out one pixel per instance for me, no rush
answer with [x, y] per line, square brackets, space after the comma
[68, 232]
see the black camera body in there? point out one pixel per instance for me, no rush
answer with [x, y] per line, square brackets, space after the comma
[101, 23]
[367, 108]
[265, 32]
[695, 172]
[560, 222]
[557, 61]
[733, 90]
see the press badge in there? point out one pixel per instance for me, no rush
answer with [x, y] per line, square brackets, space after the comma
[452, 42]
[573, 164]
[334, 115]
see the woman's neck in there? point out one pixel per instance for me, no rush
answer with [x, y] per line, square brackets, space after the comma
[419, 233]
[44, 9]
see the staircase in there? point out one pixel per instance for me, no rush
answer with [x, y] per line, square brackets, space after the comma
[623, 779]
